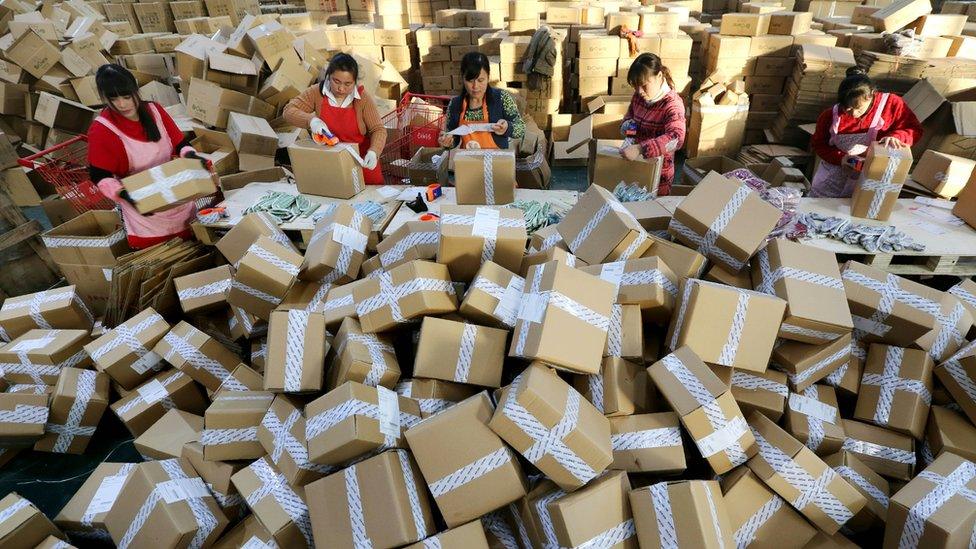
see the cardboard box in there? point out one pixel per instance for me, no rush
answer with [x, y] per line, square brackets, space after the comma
[412, 240]
[165, 438]
[807, 364]
[965, 207]
[583, 454]
[24, 419]
[230, 426]
[948, 432]
[434, 395]
[249, 530]
[899, 14]
[948, 523]
[410, 291]
[201, 357]
[282, 434]
[942, 173]
[387, 489]
[953, 323]
[958, 373]
[126, 352]
[872, 486]
[24, 525]
[279, 506]
[263, 277]
[587, 514]
[33, 53]
[540, 318]
[813, 418]
[77, 404]
[171, 184]
[738, 235]
[471, 235]
[647, 443]
[309, 161]
[39, 356]
[896, 389]
[745, 24]
[698, 513]
[808, 279]
[141, 408]
[174, 522]
[337, 247]
[760, 518]
[211, 104]
[60, 308]
[790, 23]
[903, 322]
[706, 407]
[752, 318]
[243, 324]
[296, 352]
[484, 177]
[493, 297]
[471, 535]
[236, 242]
[498, 485]
[615, 235]
[766, 392]
[608, 168]
[254, 140]
[363, 357]
[620, 389]
[647, 282]
[422, 168]
[217, 475]
[355, 420]
[63, 114]
[204, 290]
[877, 187]
[886, 452]
[480, 352]
[83, 516]
[965, 291]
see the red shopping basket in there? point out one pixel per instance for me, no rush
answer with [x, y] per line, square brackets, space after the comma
[416, 123]
[65, 166]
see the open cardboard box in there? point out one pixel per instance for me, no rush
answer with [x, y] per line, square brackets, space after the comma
[218, 148]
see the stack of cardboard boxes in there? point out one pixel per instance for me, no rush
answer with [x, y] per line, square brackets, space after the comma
[441, 47]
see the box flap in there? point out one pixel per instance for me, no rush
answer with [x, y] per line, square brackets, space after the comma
[232, 64]
[923, 99]
[964, 114]
[214, 137]
[580, 134]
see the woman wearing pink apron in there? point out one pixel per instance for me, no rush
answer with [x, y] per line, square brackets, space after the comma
[861, 117]
[130, 136]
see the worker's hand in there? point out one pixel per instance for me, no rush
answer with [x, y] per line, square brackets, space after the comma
[892, 143]
[190, 152]
[500, 127]
[446, 141]
[317, 126]
[370, 160]
[632, 152]
[113, 189]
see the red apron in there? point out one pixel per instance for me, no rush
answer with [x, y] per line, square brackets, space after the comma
[476, 140]
[830, 180]
[345, 126]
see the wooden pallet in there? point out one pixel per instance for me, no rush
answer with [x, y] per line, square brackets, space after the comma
[27, 265]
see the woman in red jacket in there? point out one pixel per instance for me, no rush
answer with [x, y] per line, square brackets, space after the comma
[130, 136]
[861, 116]
[657, 116]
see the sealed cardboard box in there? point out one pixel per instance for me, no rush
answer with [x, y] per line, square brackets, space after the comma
[493, 297]
[647, 443]
[948, 431]
[165, 438]
[896, 389]
[580, 456]
[282, 433]
[339, 303]
[217, 475]
[880, 181]
[599, 228]
[83, 516]
[471, 535]
[60, 308]
[231, 425]
[953, 323]
[279, 506]
[472, 235]
[363, 357]
[745, 322]
[685, 262]
[434, 395]
[813, 418]
[689, 513]
[625, 334]
[484, 177]
[39, 356]
[243, 324]
[651, 214]
[706, 407]
[808, 279]
[725, 221]
[946, 518]
[412, 240]
[886, 452]
[204, 290]
[608, 168]
[552, 254]
[480, 352]
[337, 247]
[585, 516]
[264, 275]
[24, 525]
[380, 501]
[24, 418]
[249, 530]
[870, 484]
[759, 517]
[126, 353]
[234, 245]
[957, 375]
[77, 404]
[806, 364]
[189, 513]
[451, 442]
[619, 389]
[792, 471]
[171, 184]
[141, 408]
[199, 356]
[309, 161]
[410, 291]
[543, 319]
[911, 316]
[943, 174]
[296, 352]
[766, 392]
[355, 420]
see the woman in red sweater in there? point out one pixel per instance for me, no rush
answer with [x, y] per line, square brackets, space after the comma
[130, 136]
[861, 116]
[657, 116]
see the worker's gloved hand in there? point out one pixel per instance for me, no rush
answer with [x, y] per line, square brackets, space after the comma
[370, 160]
[190, 152]
[317, 126]
[112, 188]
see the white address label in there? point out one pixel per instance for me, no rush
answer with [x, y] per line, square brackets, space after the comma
[813, 407]
[723, 438]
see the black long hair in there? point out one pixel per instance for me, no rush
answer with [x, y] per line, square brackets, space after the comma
[644, 67]
[342, 62]
[116, 81]
[855, 87]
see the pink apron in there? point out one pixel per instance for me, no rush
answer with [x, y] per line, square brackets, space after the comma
[143, 155]
[830, 180]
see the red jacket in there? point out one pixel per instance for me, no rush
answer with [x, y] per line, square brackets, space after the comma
[105, 150]
[897, 120]
[660, 131]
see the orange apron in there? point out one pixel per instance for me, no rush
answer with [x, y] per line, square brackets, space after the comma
[481, 140]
